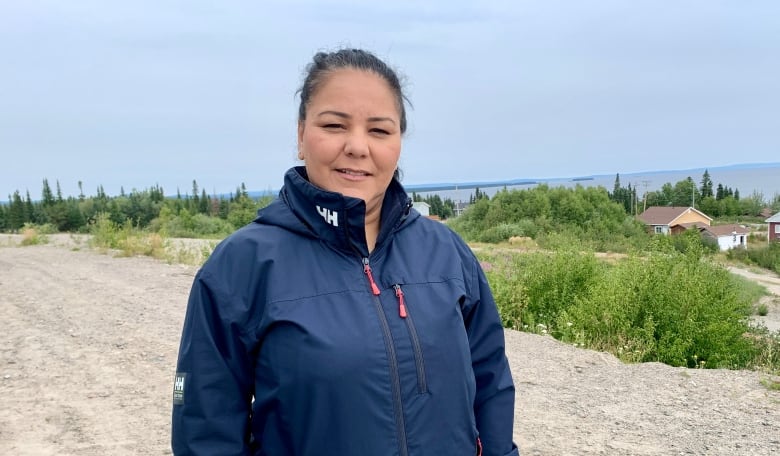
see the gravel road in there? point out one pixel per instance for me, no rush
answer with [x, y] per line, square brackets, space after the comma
[88, 348]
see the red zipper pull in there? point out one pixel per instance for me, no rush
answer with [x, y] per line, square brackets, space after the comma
[401, 304]
[367, 270]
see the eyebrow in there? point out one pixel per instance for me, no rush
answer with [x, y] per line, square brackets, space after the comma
[344, 115]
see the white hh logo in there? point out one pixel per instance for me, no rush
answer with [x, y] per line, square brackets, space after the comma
[331, 217]
[179, 386]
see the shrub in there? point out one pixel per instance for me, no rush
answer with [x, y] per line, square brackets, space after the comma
[501, 233]
[31, 235]
[129, 241]
[663, 306]
[762, 310]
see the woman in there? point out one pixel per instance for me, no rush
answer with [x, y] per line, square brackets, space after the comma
[340, 322]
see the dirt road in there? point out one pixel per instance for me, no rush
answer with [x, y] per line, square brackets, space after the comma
[88, 347]
[772, 284]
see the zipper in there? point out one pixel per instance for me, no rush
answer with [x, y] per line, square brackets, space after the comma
[401, 304]
[393, 358]
[403, 312]
[367, 272]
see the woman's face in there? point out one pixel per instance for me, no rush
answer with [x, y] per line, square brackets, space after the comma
[350, 140]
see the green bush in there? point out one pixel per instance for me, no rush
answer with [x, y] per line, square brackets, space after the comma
[501, 233]
[534, 288]
[34, 235]
[587, 214]
[767, 256]
[663, 306]
[186, 225]
[763, 255]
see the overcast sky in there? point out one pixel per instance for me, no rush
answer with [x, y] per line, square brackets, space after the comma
[137, 93]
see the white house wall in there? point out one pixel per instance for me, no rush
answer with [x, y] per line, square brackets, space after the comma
[728, 242]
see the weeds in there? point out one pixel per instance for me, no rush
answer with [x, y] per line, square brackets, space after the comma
[762, 255]
[127, 240]
[762, 310]
[771, 384]
[32, 235]
[666, 306]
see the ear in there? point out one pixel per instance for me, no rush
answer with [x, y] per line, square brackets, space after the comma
[300, 140]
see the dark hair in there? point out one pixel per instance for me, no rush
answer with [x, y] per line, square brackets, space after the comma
[325, 63]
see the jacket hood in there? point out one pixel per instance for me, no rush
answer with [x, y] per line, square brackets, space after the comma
[339, 220]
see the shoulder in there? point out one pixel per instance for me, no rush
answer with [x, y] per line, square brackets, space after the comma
[437, 235]
[437, 249]
[247, 249]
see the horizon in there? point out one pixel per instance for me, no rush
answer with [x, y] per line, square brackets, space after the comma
[434, 187]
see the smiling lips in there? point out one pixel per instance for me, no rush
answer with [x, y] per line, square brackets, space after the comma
[353, 174]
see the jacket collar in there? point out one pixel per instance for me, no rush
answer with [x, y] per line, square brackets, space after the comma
[340, 220]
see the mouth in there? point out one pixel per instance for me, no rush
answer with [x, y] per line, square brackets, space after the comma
[353, 172]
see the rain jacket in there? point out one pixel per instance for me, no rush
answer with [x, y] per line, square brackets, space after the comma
[297, 341]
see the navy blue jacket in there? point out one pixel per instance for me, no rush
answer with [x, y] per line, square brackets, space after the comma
[297, 341]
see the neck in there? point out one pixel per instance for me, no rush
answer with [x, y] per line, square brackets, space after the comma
[372, 227]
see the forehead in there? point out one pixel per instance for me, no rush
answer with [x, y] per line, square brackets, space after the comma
[355, 87]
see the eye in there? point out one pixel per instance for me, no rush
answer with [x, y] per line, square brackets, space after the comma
[333, 126]
[380, 131]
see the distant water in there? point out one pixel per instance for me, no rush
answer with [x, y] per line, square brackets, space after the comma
[764, 180]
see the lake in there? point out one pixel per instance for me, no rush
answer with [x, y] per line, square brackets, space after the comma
[764, 180]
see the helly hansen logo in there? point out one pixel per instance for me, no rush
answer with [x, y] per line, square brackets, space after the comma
[178, 388]
[330, 216]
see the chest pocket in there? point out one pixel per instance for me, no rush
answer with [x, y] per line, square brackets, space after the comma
[419, 359]
[432, 317]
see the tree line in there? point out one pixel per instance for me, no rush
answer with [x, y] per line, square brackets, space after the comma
[715, 201]
[193, 214]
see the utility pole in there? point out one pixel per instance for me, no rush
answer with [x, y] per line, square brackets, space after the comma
[644, 196]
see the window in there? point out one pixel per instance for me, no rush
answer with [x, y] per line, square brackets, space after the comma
[660, 229]
[777, 228]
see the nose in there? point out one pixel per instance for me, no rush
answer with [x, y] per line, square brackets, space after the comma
[356, 144]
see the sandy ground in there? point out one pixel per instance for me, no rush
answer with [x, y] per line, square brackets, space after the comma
[88, 347]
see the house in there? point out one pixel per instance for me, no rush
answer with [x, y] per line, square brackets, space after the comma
[774, 227]
[422, 207]
[727, 236]
[673, 219]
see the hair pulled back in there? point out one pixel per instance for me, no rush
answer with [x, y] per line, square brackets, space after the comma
[325, 63]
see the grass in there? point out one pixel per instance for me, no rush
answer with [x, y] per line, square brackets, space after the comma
[771, 384]
[32, 235]
[752, 292]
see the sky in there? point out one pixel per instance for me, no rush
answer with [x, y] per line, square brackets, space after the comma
[132, 94]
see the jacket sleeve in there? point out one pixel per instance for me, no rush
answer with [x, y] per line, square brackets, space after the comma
[213, 383]
[495, 399]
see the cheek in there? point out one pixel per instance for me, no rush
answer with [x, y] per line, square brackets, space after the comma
[316, 148]
[390, 155]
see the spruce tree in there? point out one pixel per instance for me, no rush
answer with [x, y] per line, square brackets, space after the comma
[706, 184]
[47, 198]
[16, 212]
